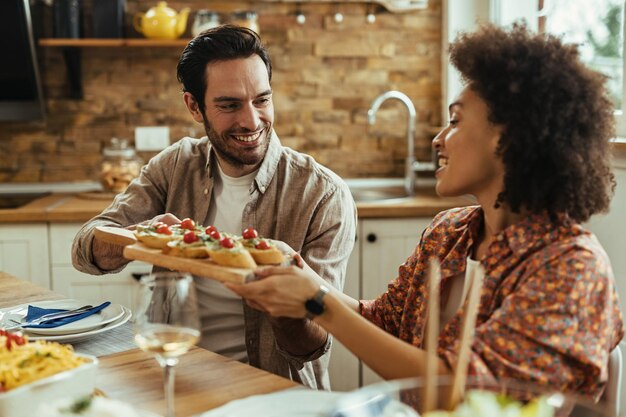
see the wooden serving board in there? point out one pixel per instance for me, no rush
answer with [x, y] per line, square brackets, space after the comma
[138, 251]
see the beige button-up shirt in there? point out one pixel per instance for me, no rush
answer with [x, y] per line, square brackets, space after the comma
[293, 199]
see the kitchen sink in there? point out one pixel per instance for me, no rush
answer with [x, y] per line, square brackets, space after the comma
[16, 200]
[386, 190]
[377, 190]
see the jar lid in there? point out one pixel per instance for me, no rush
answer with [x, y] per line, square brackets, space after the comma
[119, 148]
[244, 15]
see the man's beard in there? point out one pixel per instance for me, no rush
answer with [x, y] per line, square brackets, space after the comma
[232, 155]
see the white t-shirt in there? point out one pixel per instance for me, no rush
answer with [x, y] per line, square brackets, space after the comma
[458, 291]
[221, 310]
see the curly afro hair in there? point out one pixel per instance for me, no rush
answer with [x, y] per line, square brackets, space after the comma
[556, 114]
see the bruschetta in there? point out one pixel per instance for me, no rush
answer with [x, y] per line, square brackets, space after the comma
[229, 252]
[157, 235]
[263, 251]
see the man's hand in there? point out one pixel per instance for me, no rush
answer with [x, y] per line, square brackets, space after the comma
[109, 257]
[167, 218]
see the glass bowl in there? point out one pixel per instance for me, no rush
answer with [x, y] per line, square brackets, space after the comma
[404, 398]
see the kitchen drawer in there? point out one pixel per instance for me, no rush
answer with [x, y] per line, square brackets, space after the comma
[61, 238]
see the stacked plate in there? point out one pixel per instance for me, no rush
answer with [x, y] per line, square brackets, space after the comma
[107, 319]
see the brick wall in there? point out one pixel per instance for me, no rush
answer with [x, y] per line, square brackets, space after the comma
[326, 75]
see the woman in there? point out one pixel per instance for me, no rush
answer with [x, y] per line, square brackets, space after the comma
[529, 138]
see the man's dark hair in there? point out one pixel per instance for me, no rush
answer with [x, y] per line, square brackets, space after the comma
[557, 119]
[222, 43]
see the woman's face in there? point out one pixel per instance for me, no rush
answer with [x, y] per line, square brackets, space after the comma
[466, 148]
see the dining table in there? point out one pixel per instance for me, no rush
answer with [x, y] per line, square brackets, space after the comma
[204, 380]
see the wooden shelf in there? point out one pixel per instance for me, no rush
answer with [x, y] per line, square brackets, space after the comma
[113, 43]
[394, 6]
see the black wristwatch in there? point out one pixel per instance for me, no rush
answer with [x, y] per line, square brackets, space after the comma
[315, 306]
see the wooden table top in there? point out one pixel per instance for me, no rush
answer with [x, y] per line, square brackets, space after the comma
[204, 380]
[14, 291]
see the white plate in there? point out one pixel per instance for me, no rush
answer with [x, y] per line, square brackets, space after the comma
[106, 315]
[75, 337]
[287, 403]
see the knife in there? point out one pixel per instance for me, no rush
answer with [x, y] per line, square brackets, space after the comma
[49, 317]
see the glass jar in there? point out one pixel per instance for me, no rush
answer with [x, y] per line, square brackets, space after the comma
[245, 18]
[120, 165]
[205, 19]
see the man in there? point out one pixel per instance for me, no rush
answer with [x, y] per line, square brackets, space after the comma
[239, 176]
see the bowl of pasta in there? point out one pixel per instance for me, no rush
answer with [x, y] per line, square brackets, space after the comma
[35, 373]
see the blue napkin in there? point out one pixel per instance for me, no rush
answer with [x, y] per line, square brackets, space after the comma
[36, 312]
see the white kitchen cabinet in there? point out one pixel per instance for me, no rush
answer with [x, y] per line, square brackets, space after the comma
[385, 245]
[24, 252]
[382, 246]
[118, 288]
[344, 368]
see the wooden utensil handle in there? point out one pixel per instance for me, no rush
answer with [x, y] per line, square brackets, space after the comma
[432, 335]
[467, 336]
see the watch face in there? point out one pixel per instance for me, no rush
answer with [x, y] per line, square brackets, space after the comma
[314, 307]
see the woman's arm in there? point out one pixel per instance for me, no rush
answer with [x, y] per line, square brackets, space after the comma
[388, 356]
[283, 292]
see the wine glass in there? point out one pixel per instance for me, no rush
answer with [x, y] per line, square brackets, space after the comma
[166, 322]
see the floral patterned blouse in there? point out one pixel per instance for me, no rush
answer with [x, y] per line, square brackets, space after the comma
[549, 311]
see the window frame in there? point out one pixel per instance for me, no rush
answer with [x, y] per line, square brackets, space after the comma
[465, 15]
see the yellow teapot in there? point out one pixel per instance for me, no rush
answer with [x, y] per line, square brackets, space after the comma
[161, 22]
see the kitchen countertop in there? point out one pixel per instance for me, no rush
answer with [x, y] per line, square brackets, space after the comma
[80, 207]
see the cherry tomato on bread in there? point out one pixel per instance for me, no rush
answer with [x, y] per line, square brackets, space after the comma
[190, 237]
[250, 233]
[164, 229]
[214, 234]
[227, 243]
[263, 244]
[188, 224]
[210, 229]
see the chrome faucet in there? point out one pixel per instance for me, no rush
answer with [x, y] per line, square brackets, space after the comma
[411, 165]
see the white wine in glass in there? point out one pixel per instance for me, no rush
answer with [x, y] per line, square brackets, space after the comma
[166, 322]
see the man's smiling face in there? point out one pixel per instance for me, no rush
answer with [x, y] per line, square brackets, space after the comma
[239, 113]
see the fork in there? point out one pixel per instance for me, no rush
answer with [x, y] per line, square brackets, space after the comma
[49, 316]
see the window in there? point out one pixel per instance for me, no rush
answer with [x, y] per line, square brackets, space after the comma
[596, 26]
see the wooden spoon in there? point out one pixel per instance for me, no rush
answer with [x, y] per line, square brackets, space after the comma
[432, 333]
[467, 336]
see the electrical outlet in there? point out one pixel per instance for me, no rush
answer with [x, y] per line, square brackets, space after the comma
[152, 138]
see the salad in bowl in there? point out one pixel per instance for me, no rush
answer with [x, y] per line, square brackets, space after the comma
[405, 398]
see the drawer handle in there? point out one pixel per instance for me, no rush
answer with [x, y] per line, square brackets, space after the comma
[138, 275]
[371, 237]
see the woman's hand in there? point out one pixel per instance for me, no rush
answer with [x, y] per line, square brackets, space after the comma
[279, 291]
